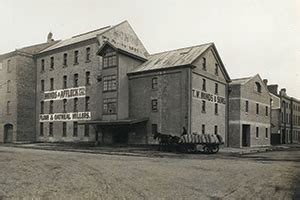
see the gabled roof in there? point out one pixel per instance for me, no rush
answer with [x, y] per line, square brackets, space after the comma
[173, 58]
[119, 49]
[29, 50]
[240, 81]
[78, 38]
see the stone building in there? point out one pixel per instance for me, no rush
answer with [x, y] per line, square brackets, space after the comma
[287, 122]
[181, 88]
[17, 93]
[249, 112]
[82, 85]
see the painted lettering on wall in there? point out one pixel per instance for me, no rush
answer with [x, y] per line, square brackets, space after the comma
[197, 94]
[69, 93]
[75, 116]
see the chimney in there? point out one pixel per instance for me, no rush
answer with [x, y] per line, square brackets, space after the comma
[283, 91]
[49, 37]
[265, 81]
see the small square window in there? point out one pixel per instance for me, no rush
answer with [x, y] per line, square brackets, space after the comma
[154, 104]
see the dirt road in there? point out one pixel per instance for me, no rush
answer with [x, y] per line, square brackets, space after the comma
[39, 174]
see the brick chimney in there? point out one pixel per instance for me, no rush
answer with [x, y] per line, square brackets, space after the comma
[49, 37]
[265, 81]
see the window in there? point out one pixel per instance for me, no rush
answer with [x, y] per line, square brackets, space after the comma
[109, 83]
[154, 83]
[42, 107]
[110, 60]
[257, 109]
[154, 104]
[203, 84]
[267, 133]
[75, 129]
[204, 63]
[51, 129]
[42, 85]
[88, 54]
[75, 80]
[216, 88]
[64, 129]
[42, 65]
[203, 129]
[51, 63]
[65, 59]
[217, 69]
[110, 106]
[41, 129]
[75, 108]
[8, 107]
[257, 87]
[75, 57]
[8, 86]
[86, 130]
[216, 108]
[51, 83]
[51, 107]
[267, 111]
[65, 82]
[65, 105]
[87, 103]
[8, 66]
[247, 106]
[216, 129]
[257, 132]
[203, 106]
[154, 129]
[87, 78]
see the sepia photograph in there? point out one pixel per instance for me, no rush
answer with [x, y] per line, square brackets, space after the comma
[158, 100]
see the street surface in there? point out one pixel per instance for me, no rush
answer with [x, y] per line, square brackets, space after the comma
[42, 174]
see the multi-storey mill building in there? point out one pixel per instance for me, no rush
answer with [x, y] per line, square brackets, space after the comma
[75, 85]
[17, 93]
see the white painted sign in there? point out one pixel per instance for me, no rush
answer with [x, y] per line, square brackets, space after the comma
[75, 116]
[198, 94]
[69, 93]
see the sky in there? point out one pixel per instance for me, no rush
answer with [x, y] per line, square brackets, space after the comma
[252, 36]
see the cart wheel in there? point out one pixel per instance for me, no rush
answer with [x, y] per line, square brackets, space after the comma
[216, 149]
[205, 149]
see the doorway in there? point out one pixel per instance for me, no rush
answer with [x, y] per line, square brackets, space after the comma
[246, 135]
[8, 133]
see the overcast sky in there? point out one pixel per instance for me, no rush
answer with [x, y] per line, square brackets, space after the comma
[252, 36]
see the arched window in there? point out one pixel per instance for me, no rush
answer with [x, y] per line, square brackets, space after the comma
[258, 87]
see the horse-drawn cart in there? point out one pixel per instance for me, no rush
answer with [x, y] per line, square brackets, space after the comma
[206, 143]
[191, 143]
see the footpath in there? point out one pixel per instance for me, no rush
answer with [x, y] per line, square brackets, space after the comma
[141, 150]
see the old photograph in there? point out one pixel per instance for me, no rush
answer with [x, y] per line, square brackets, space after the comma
[169, 99]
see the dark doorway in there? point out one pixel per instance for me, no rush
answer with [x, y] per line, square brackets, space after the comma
[283, 136]
[8, 133]
[120, 136]
[246, 135]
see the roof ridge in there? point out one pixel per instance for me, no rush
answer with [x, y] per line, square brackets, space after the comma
[109, 26]
[182, 48]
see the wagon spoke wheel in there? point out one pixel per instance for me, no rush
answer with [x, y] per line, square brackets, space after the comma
[216, 149]
[205, 149]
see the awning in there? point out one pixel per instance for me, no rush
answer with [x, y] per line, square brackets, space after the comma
[114, 122]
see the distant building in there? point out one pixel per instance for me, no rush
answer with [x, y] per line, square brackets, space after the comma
[17, 94]
[286, 120]
[249, 112]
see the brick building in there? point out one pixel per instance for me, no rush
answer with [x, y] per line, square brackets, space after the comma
[287, 122]
[249, 112]
[17, 92]
[181, 88]
[82, 85]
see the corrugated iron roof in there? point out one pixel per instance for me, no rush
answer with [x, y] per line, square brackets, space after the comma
[173, 58]
[78, 38]
[240, 81]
